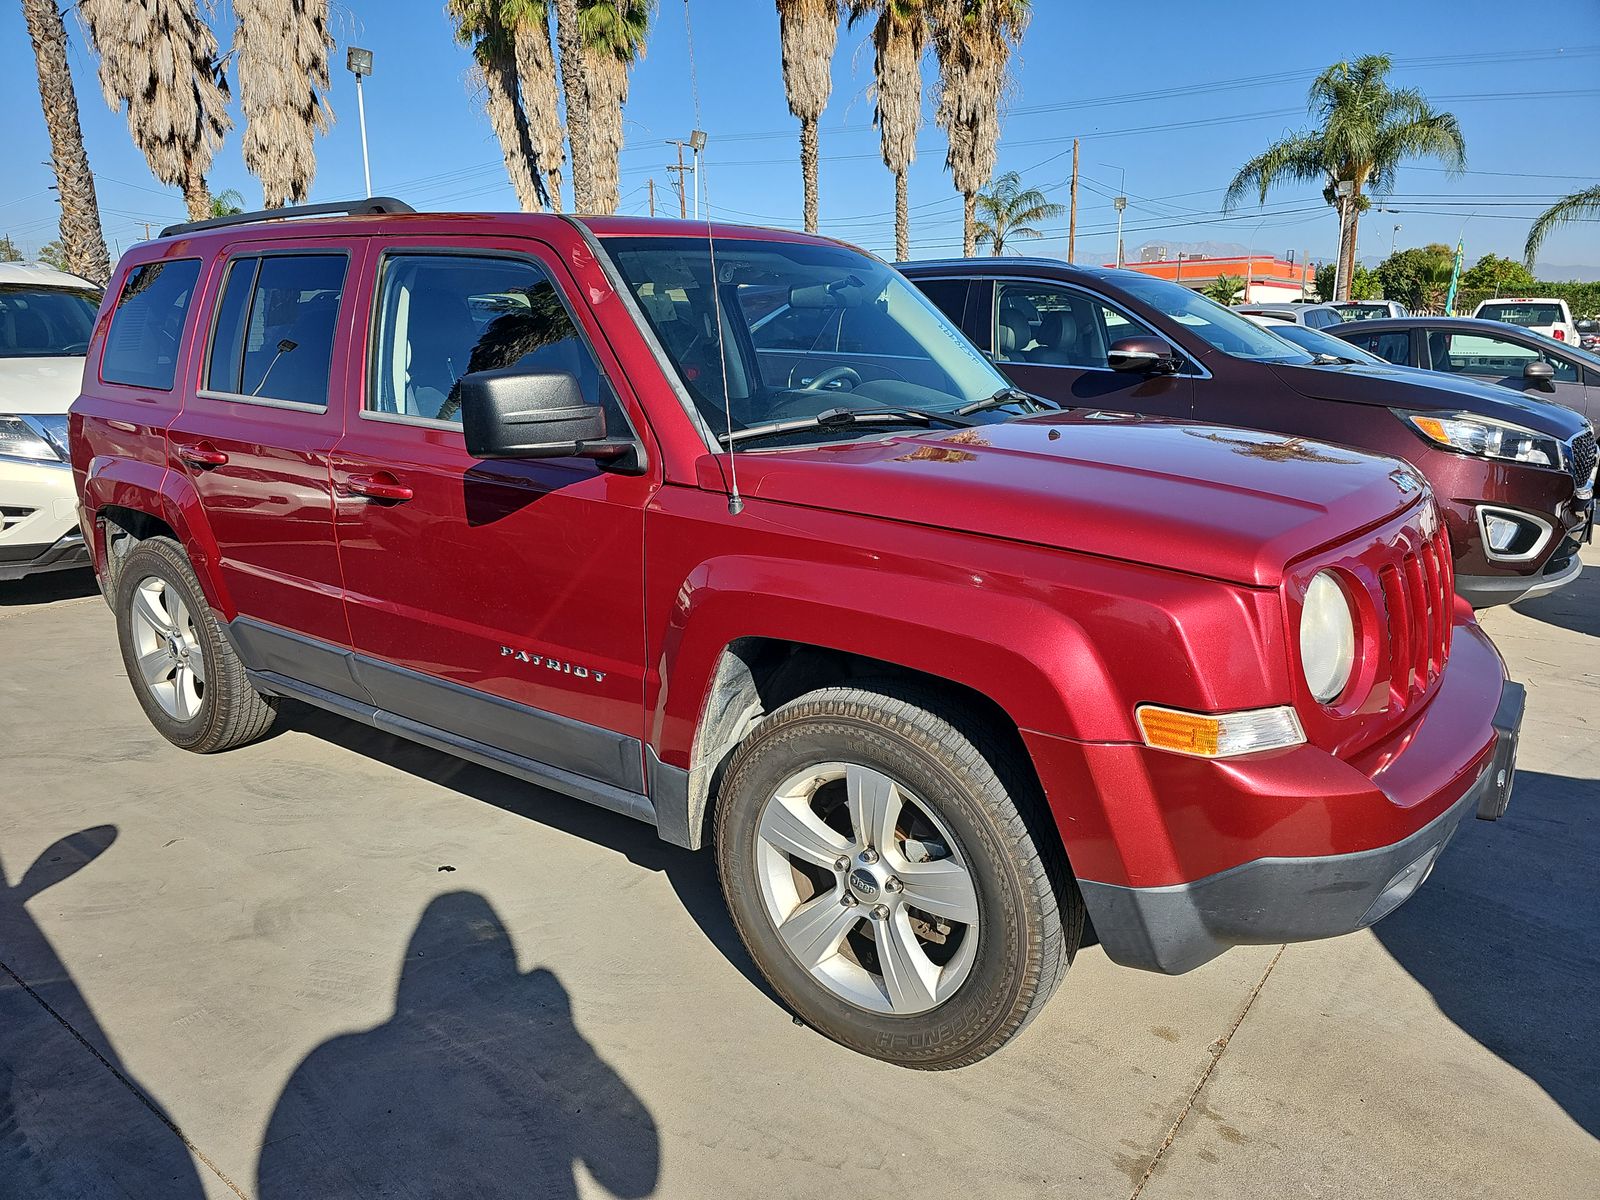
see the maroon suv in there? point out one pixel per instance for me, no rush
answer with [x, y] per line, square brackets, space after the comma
[1514, 475]
[936, 676]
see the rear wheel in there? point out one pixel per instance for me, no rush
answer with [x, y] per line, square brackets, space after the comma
[187, 678]
[885, 880]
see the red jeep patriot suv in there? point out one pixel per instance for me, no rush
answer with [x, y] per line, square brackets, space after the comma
[937, 669]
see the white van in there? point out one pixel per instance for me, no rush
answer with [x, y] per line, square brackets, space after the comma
[46, 317]
[1550, 317]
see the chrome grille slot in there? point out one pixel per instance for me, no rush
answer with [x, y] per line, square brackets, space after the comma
[1418, 602]
[1582, 454]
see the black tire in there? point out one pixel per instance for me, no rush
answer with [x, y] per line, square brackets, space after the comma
[1030, 912]
[230, 711]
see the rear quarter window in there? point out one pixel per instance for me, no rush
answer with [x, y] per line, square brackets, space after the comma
[147, 324]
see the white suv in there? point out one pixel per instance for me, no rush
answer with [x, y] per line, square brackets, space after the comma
[46, 318]
[1548, 316]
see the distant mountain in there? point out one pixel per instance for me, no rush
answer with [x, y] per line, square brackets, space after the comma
[1559, 273]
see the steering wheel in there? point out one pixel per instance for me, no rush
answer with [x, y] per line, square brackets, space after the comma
[833, 375]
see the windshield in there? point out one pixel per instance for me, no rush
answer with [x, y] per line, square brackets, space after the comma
[45, 322]
[1526, 315]
[1220, 328]
[1318, 342]
[807, 328]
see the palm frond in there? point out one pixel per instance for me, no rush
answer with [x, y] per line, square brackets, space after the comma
[1298, 158]
[1576, 207]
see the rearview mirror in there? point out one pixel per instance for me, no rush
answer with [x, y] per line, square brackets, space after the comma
[1540, 374]
[1142, 356]
[508, 413]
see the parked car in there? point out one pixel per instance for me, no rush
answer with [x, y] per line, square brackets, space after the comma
[1317, 316]
[45, 319]
[1588, 334]
[856, 614]
[1547, 315]
[1514, 476]
[1490, 351]
[1367, 310]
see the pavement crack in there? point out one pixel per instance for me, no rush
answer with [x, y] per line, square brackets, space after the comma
[1218, 1049]
[137, 1091]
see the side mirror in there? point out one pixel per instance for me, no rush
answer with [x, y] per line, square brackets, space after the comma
[1539, 374]
[1142, 356]
[507, 413]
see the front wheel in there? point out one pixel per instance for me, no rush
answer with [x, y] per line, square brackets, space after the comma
[885, 880]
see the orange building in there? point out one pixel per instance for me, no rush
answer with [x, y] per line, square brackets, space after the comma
[1270, 278]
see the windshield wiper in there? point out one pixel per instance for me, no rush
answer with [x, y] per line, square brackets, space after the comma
[844, 418]
[1006, 395]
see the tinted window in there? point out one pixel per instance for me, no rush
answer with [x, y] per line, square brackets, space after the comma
[1058, 326]
[275, 327]
[1490, 357]
[441, 317]
[948, 295]
[147, 326]
[1394, 347]
[1321, 318]
[45, 322]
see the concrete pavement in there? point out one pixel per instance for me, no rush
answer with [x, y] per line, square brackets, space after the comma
[334, 964]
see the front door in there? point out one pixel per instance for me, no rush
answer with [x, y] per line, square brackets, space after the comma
[1052, 339]
[255, 436]
[499, 601]
[1500, 359]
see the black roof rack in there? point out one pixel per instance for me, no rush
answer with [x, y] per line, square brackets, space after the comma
[344, 208]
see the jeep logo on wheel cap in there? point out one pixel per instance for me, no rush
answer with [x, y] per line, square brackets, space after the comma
[863, 884]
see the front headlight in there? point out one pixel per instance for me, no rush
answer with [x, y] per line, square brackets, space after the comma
[1486, 437]
[1327, 638]
[24, 438]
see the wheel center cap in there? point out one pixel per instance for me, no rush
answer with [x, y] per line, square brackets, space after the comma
[174, 645]
[865, 885]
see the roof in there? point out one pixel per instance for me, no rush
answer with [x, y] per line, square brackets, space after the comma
[40, 275]
[1009, 265]
[1468, 324]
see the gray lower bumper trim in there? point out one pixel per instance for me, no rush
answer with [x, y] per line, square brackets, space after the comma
[64, 555]
[1485, 591]
[1175, 929]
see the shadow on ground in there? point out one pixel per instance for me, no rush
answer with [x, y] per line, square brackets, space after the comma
[73, 1120]
[48, 588]
[1506, 937]
[693, 876]
[1575, 607]
[479, 1085]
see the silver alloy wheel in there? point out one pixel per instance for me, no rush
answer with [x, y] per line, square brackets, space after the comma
[861, 911]
[167, 648]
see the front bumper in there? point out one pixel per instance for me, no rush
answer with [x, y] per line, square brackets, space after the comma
[38, 519]
[1176, 928]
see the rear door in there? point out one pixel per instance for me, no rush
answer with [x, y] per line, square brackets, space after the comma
[254, 438]
[1052, 339]
[499, 601]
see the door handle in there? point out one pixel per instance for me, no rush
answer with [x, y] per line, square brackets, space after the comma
[201, 456]
[382, 486]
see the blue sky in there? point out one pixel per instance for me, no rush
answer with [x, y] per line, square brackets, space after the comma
[1171, 100]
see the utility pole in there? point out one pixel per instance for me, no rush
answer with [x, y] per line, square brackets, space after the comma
[1121, 202]
[1305, 277]
[1072, 216]
[652, 195]
[359, 62]
[683, 199]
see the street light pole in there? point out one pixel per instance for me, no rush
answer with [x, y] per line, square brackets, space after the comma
[697, 143]
[1121, 203]
[359, 62]
[1393, 234]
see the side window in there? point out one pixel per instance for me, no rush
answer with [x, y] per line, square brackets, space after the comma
[440, 317]
[275, 327]
[1059, 326]
[147, 325]
[1321, 318]
[949, 296]
[1490, 357]
[1394, 347]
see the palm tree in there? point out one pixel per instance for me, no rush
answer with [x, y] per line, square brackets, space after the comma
[1366, 130]
[973, 40]
[614, 33]
[158, 61]
[480, 25]
[898, 38]
[1575, 207]
[227, 204]
[1008, 210]
[529, 22]
[808, 31]
[569, 39]
[281, 49]
[83, 245]
[1225, 289]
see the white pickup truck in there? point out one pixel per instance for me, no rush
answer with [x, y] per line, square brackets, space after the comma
[1548, 316]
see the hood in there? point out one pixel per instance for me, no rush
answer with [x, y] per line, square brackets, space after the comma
[40, 386]
[1205, 500]
[1417, 390]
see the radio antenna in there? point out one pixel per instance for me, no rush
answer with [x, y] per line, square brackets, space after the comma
[735, 500]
